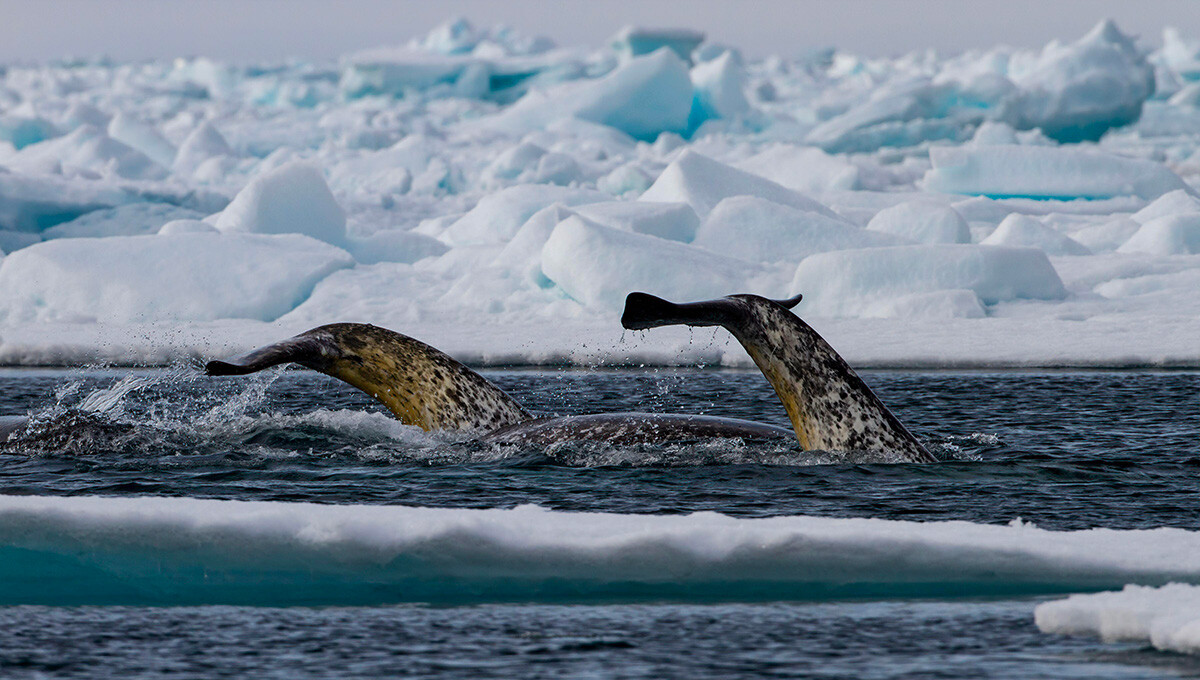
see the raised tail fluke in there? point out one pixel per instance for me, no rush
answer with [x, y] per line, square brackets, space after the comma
[830, 407]
[303, 349]
[419, 384]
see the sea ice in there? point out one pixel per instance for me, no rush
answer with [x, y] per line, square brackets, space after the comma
[1170, 235]
[643, 97]
[498, 216]
[758, 230]
[673, 221]
[293, 199]
[803, 168]
[1022, 230]
[1079, 91]
[922, 222]
[598, 266]
[849, 282]
[635, 41]
[1046, 172]
[1167, 617]
[702, 183]
[167, 278]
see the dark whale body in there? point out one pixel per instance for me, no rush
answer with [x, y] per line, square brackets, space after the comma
[829, 405]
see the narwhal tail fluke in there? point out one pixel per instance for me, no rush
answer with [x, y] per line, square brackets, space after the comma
[419, 384]
[643, 311]
[302, 349]
[830, 407]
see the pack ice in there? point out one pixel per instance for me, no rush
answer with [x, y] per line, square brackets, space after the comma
[498, 194]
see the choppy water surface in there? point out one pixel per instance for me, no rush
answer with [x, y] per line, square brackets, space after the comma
[1065, 450]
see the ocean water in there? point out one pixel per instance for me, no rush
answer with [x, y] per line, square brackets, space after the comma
[1064, 451]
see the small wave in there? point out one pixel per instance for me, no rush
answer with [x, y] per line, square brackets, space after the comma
[81, 550]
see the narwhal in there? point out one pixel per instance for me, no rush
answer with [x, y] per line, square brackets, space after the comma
[830, 407]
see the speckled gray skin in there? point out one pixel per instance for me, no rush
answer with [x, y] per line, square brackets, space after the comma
[419, 384]
[831, 408]
[634, 428]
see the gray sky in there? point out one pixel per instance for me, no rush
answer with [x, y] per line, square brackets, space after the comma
[241, 30]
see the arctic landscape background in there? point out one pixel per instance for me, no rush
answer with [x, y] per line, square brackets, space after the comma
[496, 194]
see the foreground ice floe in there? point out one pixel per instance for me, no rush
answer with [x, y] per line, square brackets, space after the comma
[78, 550]
[497, 195]
[1167, 617]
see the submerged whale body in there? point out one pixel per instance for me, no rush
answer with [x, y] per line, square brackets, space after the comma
[830, 407]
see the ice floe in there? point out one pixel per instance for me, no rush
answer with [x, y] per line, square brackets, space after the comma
[171, 551]
[1167, 617]
[502, 194]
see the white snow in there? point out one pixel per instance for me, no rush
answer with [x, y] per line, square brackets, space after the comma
[702, 183]
[1170, 235]
[1022, 230]
[674, 221]
[643, 97]
[1167, 617]
[293, 199]
[758, 230]
[803, 168]
[922, 222]
[865, 282]
[177, 277]
[599, 266]
[461, 167]
[1046, 172]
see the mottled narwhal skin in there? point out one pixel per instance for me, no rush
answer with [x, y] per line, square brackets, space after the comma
[420, 385]
[425, 387]
[830, 407]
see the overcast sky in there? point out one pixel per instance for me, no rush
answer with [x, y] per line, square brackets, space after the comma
[243, 30]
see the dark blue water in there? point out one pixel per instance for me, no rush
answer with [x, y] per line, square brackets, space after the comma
[1066, 450]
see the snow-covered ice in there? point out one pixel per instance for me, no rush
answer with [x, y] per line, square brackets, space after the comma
[497, 195]
[174, 550]
[1167, 617]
